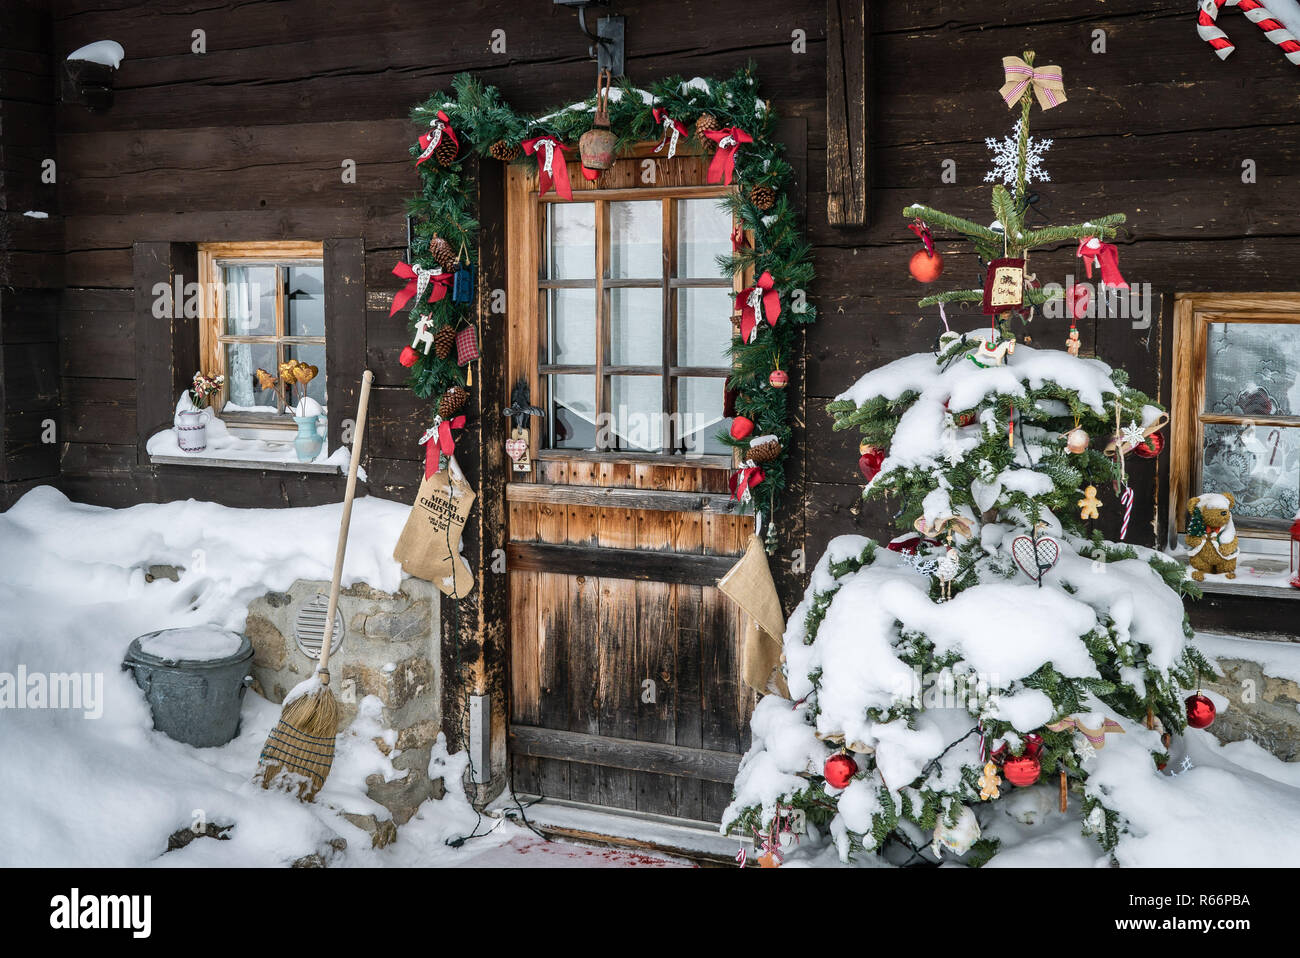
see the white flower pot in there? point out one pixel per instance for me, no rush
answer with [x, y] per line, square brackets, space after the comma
[191, 430]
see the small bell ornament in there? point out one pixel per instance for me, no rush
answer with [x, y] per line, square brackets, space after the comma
[596, 146]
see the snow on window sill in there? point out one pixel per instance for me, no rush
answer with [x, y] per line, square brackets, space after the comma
[228, 451]
[1258, 574]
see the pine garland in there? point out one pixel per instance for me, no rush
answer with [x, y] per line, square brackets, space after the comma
[446, 207]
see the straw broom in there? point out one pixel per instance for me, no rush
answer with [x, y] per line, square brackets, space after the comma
[300, 749]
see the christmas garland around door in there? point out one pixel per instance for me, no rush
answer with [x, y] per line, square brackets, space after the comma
[734, 125]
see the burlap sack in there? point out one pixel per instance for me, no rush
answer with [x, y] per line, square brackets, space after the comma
[429, 546]
[749, 584]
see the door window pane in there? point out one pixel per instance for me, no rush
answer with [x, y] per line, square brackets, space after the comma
[703, 234]
[636, 243]
[636, 327]
[242, 363]
[571, 315]
[699, 403]
[250, 294]
[305, 300]
[1253, 369]
[1259, 465]
[636, 413]
[571, 241]
[704, 326]
[573, 412]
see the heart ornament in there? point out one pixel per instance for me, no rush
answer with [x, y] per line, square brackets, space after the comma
[1035, 559]
[516, 448]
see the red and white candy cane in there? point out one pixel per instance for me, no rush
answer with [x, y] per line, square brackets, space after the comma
[1126, 497]
[1257, 13]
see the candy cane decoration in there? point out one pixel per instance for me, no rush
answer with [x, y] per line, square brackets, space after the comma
[1258, 14]
[1126, 497]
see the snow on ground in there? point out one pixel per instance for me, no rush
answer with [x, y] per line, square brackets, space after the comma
[108, 791]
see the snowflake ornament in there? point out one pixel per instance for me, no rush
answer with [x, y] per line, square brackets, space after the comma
[1132, 435]
[1006, 157]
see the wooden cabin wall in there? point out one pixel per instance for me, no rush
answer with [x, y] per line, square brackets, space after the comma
[246, 141]
[31, 248]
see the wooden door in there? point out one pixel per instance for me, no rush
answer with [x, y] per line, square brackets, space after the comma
[624, 657]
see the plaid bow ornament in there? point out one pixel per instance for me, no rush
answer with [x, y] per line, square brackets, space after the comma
[1046, 81]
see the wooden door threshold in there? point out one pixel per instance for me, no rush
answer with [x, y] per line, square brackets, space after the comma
[699, 842]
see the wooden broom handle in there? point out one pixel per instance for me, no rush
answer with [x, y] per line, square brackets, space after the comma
[323, 668]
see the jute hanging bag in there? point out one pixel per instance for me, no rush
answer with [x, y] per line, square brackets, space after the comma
[300, 749]
[429, 546]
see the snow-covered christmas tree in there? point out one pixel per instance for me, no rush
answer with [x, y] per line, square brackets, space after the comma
[997, 645]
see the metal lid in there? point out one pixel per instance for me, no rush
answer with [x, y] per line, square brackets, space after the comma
[136, 655]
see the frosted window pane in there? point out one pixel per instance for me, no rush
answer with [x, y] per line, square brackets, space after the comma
[1259, 465]
[313, 356]
[305, 302]
[1253, 369]
[242, 362]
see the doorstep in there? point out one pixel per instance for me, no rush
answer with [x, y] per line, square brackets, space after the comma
[576, 821]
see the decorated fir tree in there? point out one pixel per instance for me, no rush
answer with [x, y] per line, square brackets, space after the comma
[997, 645]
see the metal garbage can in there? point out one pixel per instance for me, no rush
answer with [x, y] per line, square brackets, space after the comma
[194, 680]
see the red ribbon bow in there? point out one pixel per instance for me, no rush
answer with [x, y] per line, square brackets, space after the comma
[440, 126]
[747, 301]
[673, 131]
[551, 169]
[744, 479]
[724, 161]
[419, 279]
[923, 231]
[1107, 256]
[438, 442]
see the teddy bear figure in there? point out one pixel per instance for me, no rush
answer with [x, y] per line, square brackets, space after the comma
[1211, 536]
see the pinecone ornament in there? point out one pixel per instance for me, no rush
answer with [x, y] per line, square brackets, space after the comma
[504, 151]
[443, 341]
[707, 123]
[442, 253]
[763, 197]
[764, 451]
[452, 401]
[446, 151]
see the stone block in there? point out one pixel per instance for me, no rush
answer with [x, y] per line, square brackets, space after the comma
[269, 644]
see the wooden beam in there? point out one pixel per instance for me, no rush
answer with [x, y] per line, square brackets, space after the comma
[345, 331]
[678, 760]
[661, 500]
[166, 347]
[847, 48]
[638, 564]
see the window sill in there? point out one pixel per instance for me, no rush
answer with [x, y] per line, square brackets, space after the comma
[215, 461]
[1261, 576]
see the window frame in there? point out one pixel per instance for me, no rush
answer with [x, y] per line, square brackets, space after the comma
[212, 257]
[1194, 314]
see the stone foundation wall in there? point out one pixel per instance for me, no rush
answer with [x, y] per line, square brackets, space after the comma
[1262, 707]
[389, 651]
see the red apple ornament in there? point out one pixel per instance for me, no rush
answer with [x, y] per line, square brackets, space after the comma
[741, 427]
[839, 770]
[779, 379]
[926, 267]
[1151, 447]
[1023, 770]
[870, 461]
[1200, 711]
[408, 357]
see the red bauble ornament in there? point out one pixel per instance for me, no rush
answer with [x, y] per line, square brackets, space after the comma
[779, 379]
[1200, 711]
[870, 461]
[1079, 297]
[1022, 771]
[741, 427]
[926, 267]
[1151, 447]
[839, 770]
[408, 357]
